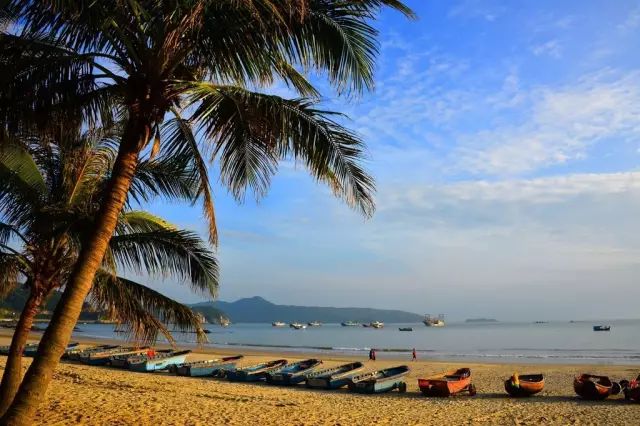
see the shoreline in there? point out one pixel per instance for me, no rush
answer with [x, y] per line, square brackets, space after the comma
[104, 395]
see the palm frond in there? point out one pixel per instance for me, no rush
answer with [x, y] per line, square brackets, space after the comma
[178, 253]
[145, 311]
[11, 268]
[252, 131]
[180, 143]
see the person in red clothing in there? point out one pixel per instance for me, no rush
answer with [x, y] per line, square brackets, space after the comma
[373, 354]
[414, 357]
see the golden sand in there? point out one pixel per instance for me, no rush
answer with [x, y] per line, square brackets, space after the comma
[102, 395]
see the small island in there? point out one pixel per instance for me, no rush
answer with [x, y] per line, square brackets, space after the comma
[481, 320]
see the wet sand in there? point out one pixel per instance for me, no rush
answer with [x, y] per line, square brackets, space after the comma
[103, 395]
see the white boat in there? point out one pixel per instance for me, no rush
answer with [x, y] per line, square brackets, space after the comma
[377, 324]
[432, 321]
[314, 324]
[278, 324]
[298, 326]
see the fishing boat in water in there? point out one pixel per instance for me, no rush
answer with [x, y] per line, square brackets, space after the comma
[314, 324]
[448, 384]
[349, 324]
[297, 326]
[406, 329]
[377, 324]
[278, 324]
[380, 381]
[601, 328]
[292, 374]
[433, 321]
[254, 373]
[211, 367]
[159, 361]
[333, 378]
[524, 385]
[595, 388]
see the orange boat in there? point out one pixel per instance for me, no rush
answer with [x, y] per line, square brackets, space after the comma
[525, 385]
[447, 384]
[591, 387]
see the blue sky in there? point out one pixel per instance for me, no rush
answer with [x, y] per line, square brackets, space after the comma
[503, 137]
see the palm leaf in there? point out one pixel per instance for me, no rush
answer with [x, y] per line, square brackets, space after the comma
[168, 251]
[145, 311]
[252, 131]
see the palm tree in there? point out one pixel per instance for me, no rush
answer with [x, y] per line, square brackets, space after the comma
[197, 61]
[48, 194]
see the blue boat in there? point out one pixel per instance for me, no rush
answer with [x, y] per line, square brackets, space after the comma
[380, 381]
[160, 361]
[292, 374]
[123, 361]
[104, 357]
[32, 350]
[75, 354]
[333, 378]
[211, 367]
[255, 373]
[4, 350]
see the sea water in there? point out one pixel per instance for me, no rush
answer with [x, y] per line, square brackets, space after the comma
[552, 342]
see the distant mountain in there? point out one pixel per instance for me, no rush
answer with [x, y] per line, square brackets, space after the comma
[257, 309]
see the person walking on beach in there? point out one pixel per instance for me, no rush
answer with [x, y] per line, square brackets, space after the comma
[373, 354]
[413, 355]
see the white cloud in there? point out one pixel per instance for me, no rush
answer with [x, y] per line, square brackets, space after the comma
[561, 126]
[550, 48]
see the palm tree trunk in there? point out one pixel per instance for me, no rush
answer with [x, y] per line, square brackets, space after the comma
[56, 337]
[13, 368]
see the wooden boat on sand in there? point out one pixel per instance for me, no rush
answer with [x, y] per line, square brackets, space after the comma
[594, 388]
[159, 361]
[103, 357]
[32, 350]
[4, 350]
[254, 373]
[123, 361]
[211, 367]
[74, 354]
[333, 378]
[380, 381]
[292, 374]
[631, 389]
[524, 385]
[447, 384]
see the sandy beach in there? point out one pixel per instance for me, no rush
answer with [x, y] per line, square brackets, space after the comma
[103, 395]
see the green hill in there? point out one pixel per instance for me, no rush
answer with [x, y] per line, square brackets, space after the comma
[257, 309]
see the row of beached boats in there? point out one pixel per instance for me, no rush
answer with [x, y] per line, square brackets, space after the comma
[351, 375]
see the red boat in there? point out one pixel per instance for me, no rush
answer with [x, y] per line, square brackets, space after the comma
[591, 387]
[447, 384]
[631, 389]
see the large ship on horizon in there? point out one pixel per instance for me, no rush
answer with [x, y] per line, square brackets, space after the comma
[433, 321]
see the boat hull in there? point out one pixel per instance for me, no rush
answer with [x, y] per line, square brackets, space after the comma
[333, 378]
[380, 381]
[158, 364]
[593, 388]
[256, 373]
[529, 385]
[212, 369]
[447, 384]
